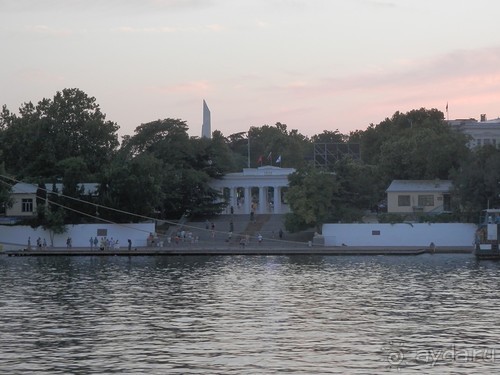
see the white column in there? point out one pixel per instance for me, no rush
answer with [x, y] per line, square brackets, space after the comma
[248, 200]
[221, 191]
[262, 200]
[277, 200]
[232, 199]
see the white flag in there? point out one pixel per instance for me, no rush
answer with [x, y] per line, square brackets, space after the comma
[278, 160]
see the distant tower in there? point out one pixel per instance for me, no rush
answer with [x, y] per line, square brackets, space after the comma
[206, 128]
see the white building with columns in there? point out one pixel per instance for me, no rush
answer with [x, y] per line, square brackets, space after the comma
[260, 190]
[481, 133]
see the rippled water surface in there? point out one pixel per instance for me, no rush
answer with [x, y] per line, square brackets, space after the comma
[249, 315]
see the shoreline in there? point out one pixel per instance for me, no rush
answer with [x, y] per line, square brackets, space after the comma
[248, 250]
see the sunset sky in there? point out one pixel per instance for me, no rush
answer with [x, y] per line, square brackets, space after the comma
[312, 64]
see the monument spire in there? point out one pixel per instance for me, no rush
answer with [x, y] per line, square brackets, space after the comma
[206, 127]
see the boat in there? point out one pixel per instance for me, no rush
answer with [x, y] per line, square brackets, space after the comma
[488, 235]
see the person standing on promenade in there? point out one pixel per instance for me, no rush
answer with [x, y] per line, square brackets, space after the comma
[91, 241]
[259, 238]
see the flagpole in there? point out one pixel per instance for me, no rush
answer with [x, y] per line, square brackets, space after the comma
[248, 137]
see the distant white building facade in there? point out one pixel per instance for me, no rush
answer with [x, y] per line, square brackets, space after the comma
[206, 127]
[481, 133]
[258, 190]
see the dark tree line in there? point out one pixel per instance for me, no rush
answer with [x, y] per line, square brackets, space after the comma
[162, 172]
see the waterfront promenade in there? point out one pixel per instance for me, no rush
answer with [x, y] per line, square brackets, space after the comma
[235, 249]
[220, 241]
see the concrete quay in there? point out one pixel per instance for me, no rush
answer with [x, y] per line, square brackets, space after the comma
[203, 249]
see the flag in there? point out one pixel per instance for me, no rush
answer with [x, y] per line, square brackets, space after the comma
[278, 160]
[259, 160]
[270, 156]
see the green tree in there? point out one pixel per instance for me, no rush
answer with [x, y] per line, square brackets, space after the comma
[311, 198]
[5, 190]
[50, 213]
[80, 203]
[269, 142]
[329, 136]
[418, 144]
[359, 189]
[477, 183]
[372, 139]
[219, 155]
[132, 186]
[238, 143]
[52, 221]
[69, 125]
[166, 139]
[187, 165]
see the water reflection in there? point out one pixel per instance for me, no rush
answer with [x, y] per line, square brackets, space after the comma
[251, 314]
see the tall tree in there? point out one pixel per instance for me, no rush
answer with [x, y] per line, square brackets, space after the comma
[267, 143]
[359, 189]
[477, 182]
[187, 165]
[5, 190]
[69, 125]
[413, 145]
[311, 197]
[132, 186]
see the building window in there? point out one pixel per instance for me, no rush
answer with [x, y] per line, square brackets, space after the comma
[403, 200]
[425, 200]
[27, 205]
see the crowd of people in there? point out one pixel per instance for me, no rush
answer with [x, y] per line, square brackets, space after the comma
[154, 240]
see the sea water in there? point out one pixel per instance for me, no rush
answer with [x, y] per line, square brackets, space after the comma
[249, 315]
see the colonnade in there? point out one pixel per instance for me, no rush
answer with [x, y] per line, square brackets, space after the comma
[259, 190]
[265, 199]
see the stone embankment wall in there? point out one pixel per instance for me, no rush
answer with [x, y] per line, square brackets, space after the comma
[16, 237]
[405, 234]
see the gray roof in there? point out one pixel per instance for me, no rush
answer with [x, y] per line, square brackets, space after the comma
[420, 186]
[24, 188]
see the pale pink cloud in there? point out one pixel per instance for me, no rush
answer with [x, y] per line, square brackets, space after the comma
[480, 68]
[468, 80]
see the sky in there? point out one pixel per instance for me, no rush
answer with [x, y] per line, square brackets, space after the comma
[313, 65]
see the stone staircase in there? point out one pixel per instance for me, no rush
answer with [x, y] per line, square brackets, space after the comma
[255, 227]
[268, 225]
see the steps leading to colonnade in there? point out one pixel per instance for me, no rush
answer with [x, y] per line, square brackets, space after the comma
[268, 225]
